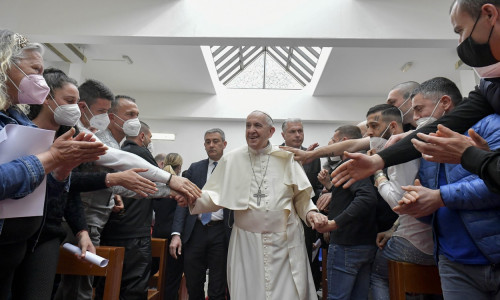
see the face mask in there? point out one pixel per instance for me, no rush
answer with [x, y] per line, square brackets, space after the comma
[424, 121]
[427, 120]
[130, 127]
[99, 122]
[403, 114]
[150, 147]
[67, 114]
[492, 71]
[378, 143]
[334, 159]
[32, 90]
[474, 54]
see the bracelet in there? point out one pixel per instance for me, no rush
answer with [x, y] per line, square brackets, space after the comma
[106, 181]
[378, 174]
[170, 178]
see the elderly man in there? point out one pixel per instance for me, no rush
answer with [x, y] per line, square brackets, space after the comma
[293, 134]
[268, 192]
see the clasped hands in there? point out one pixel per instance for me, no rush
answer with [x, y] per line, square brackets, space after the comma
[419, 201]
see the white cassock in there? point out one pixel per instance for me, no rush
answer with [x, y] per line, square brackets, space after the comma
[267, 258]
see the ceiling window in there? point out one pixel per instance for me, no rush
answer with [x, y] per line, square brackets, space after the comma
[254, 67]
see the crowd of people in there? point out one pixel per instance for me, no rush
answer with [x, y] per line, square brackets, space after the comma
[418, 181]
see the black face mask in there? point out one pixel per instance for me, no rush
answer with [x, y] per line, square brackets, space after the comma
[474, 54]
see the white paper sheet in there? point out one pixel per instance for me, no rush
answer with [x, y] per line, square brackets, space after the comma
[17, 141]
[89, 256]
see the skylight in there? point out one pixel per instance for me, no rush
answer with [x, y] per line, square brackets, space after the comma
[265, 67]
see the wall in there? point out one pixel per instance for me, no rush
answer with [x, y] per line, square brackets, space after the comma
[189, 135]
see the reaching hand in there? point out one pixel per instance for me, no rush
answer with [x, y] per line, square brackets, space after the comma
[303, 157]
[419, 201]
[324, 201]
[181, 200]
[312, 147]
[324, 178]
[175, 247]
[316, 219]
[360, 166]
[67, 152]
[396, 138]
[185, 187]
[447, 146]
[132, 181]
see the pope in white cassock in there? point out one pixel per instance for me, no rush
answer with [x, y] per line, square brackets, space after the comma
[268, 192]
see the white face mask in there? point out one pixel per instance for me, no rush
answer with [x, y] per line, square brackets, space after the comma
[67, 114]
[130, 127]
[424, 121]
[99, 122]
[403, 114]
[428, 120]
[150, 147]
[378, 143]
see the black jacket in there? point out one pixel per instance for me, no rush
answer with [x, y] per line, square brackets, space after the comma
[354, 211]
[136, 219]
[466, 114]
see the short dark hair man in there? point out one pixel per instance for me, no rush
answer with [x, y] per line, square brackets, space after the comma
[400, 96]
[204, 237]
[352, 222]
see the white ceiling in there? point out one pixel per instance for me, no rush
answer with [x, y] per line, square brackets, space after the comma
[349, 71]
[370, 40]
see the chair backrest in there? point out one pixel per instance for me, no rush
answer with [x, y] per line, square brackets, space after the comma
[69, 264]
[412, 278]
[159, 248]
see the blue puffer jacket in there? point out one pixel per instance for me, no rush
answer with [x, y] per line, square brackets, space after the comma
[478, 207]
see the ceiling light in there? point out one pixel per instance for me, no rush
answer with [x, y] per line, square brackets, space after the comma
[163, 136]
[406, 66]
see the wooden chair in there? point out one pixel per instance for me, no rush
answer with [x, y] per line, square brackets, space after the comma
[183, 293]
[70, 265]
[159, 248]
[412, 278]
[324, 279]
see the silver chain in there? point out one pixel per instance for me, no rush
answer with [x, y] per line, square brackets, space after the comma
[255, 176]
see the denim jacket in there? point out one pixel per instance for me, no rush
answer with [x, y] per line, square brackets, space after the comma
[21, 176]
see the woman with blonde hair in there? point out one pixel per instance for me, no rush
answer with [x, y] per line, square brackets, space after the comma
[173, 163]
[21, 82]
[164, 217]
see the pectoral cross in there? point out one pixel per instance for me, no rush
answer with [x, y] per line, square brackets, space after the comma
[259, 196]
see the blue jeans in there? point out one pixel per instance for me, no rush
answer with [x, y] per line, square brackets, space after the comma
[398, 249]
[349, 271]
[460, 281]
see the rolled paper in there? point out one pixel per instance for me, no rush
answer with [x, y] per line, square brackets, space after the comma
[89, 256]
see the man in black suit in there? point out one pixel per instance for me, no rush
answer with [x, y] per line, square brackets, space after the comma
[293, 134]
[205, 236]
